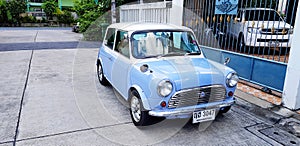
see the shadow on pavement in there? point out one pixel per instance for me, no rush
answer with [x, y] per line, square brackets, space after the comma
[48, 45]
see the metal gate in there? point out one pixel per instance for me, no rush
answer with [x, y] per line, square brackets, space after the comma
[146, 12]
[255, 34]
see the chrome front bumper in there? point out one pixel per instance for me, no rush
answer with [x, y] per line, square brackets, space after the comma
[186, 111]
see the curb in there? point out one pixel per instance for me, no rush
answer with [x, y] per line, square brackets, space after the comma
[277, 109]
[276, 115]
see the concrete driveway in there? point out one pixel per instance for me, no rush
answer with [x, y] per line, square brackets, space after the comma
[50, 95]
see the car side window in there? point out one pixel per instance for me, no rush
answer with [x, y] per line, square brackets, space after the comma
[122, 43]
[110, 37]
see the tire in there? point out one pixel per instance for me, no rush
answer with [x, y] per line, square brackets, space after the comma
[241, 43]
[139, 115]
[224, 109]
[100, 74]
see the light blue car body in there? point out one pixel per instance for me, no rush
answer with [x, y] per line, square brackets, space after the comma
[184, 72]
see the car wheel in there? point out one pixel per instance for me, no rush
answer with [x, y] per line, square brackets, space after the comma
[100, 74]
[224, 109]
[241, 43]
[139, 116]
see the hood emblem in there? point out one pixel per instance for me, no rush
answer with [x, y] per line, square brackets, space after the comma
[202, 94]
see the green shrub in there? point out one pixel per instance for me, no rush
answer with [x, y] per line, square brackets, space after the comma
[92, 16]
[65, 17]
[44, 20]
[28, 19]
[10, 11]
[49, 7]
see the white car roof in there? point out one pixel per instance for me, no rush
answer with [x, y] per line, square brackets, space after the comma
[139, 26]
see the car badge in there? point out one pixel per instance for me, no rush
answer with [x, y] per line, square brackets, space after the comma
[202, 94]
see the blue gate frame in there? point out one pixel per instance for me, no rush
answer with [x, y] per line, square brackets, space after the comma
[263, 72]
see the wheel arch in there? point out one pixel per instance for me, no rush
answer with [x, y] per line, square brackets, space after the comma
[142, 96]
[98, 61]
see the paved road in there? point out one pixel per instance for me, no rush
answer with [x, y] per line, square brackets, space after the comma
[52, 97]
[19, 38]
[36, 28]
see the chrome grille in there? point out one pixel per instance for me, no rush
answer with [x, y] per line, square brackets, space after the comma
[272, 40]
[278, 31]
[197, 96]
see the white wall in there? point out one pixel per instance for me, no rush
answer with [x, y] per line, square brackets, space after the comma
[291, 91]
[177, 12]
[153, 12]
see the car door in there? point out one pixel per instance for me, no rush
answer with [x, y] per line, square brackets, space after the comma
[121, 63]
[107, 53]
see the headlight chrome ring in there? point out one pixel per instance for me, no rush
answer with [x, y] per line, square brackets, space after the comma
[232, 79]
[164, 88]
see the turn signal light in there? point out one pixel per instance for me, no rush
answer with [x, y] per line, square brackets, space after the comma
[163, 104]
[230, 93]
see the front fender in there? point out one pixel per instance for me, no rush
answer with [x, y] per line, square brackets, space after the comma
[143, 97]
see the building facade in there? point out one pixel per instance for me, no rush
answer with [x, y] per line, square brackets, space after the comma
[35, 5]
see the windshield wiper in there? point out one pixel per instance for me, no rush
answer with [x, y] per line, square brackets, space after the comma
[193, 53]
[171, 54]
[151, 56]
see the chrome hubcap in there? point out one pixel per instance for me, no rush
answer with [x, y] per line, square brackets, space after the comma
[135, 108]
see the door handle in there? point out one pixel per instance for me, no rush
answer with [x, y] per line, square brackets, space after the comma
[110, 58]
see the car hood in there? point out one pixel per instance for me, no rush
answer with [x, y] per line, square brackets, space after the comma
[187, 72]
[269, 24]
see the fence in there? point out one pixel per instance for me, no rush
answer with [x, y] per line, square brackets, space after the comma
[146, 12]
[255, 34]
[261, 28]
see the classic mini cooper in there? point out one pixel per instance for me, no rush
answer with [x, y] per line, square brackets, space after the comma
[162, 72]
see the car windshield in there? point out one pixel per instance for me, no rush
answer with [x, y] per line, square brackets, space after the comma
[262, 15]
[163, 43]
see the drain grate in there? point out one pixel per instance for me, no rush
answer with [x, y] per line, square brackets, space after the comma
[280, 136]
[291, 125]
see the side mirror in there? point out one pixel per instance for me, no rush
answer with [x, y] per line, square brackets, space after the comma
[227, 60]
[144, 68]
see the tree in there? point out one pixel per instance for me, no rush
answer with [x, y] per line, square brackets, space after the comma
[3, 11]
[14, 9]
[88, 11]
[65, 17]
[49, 8]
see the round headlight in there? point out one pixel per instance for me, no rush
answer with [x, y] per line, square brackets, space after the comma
[164, 88]
[232, 79]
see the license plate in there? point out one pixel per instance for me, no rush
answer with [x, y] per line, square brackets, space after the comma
[273, 43]
[202, 116]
